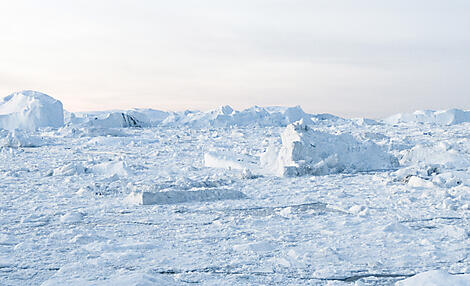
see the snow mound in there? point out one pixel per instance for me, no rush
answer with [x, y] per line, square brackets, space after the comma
[442, 117]
[308, 152]
[226, 116]
[436, 278]
[21, 138]
[30, 110]
[178, 197]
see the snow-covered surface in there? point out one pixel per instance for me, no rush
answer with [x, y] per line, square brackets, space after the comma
[74, 211]
[30, 110]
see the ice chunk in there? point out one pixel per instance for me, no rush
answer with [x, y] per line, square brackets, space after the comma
[115, 120]
[442, 153]
[71, 217]
[21, 138]
[306, 151]
[113, 168]
[70, 169]
[30, 110]
[176, 197]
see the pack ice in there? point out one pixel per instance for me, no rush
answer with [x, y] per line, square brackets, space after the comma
[260, 196]
[30, 110]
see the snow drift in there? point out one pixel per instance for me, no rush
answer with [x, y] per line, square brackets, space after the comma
[308, 152]
[442, 117]
[30, 110]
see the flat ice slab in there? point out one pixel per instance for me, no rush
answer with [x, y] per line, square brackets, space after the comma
[178, 197]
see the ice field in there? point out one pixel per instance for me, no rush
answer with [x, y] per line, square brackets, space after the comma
[263, 196]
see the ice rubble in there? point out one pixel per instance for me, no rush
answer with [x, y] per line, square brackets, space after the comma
[436, 278]
[444, 117]
[30, 110]
[306, 151]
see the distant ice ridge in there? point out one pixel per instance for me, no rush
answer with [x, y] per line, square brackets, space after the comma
[224, 116]
[305, 151]
[30, 110]
[443, 117]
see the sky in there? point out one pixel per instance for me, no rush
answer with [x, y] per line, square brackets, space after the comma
[346, 57]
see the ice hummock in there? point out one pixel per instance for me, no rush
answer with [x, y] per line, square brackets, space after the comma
[30, 110]
[305, 151]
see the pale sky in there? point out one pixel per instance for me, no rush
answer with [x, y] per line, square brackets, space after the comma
[346, 57]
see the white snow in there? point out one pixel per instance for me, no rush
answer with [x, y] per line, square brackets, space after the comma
[30, 110]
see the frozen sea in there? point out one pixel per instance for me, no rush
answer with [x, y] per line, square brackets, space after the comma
[71, 209]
